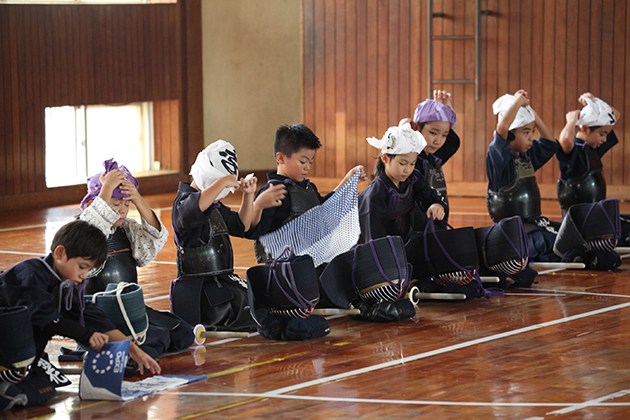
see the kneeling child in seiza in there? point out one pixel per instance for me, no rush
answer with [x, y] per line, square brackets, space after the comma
[587, 136]
[130, 244]
[207, 291]
[326, 228]
[511, 162]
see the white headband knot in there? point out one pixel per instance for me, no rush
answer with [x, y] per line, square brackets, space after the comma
[596, 113]
[524, 116]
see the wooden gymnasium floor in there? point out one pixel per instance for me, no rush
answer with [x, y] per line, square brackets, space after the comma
[559, 350]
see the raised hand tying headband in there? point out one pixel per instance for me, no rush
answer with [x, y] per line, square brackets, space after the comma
[214, 162]
[399, 140]
[596, 113]
[94, 182]
[432, 110]
[524, 116]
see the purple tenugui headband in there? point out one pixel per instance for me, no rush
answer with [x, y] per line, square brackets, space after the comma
[94, 183]
[431, 110]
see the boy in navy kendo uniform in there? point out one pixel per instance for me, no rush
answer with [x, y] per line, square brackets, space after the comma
[206, 290]
[295, 147]
[511, 162]
[131, 244]
[53, 288]
[586, 137]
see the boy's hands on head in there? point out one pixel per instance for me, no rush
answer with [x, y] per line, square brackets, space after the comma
[572, 117]
[437, 211]
[582, 98]
[97, 340]
[589, 95]
[210, 194]
[522, 97]
[127, 187]
[569, 131]
[271, 197]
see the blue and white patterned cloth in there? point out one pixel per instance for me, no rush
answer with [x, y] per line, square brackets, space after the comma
[324, 231]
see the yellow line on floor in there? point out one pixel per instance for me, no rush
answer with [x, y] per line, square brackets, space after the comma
[240, 368]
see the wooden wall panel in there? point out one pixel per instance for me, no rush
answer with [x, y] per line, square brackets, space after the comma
[166, 129]
[55, 55]
[365, 76]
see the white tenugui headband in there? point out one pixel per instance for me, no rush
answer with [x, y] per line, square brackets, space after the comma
[596, 113]
[524, 116]
[214, 162]
[399, 140]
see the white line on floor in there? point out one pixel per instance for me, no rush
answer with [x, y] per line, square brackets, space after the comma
[397, 402]
[447, 349]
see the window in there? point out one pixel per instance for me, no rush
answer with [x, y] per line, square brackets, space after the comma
[80, 138]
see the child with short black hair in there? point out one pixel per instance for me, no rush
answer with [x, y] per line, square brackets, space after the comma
[53, 288]
[511, 162]
[581, 171]
[295, 147]
[586, 137]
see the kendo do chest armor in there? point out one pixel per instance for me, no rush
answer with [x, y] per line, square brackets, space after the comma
[520, 197]
[399, 211]
[119, 267]
[435, 177]
[214, 258]
[588, 188]
[302, 200]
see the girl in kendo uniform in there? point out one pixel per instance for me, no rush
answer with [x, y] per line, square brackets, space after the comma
[436, 121]
[386, 205]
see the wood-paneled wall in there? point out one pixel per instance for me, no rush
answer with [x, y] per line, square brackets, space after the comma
[54, 55]
[365, 68]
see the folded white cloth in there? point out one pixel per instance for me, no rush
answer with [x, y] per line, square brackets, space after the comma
[524, 116]
[399, 140]
[596, 113]
[214, 162]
